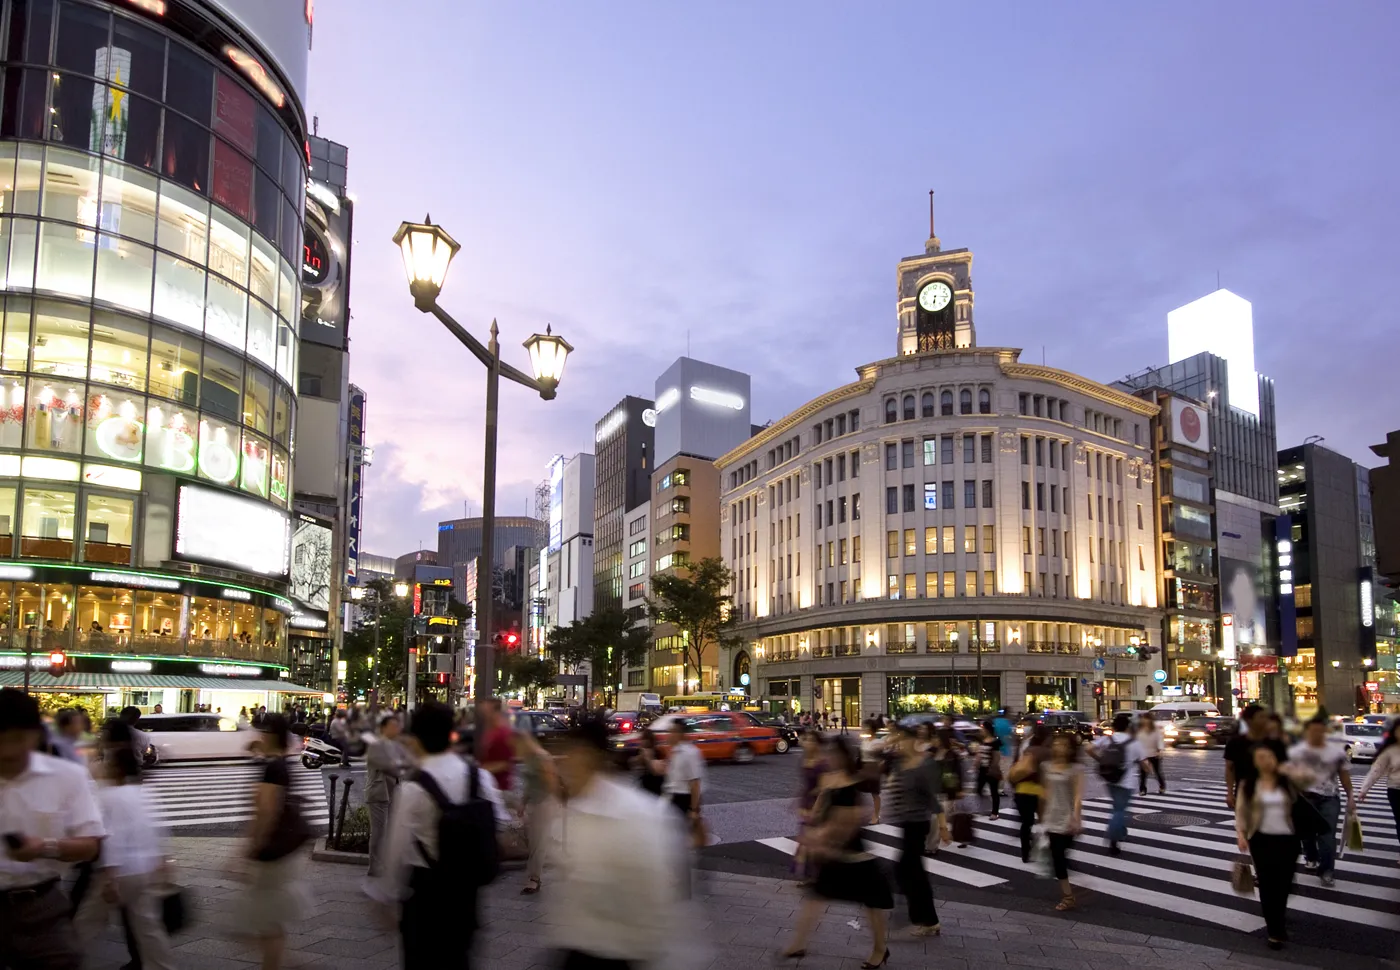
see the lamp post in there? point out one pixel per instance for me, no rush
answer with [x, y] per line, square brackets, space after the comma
[952, 666]
[427, 252]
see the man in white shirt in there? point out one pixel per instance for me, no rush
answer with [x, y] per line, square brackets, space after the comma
[1121, 763]
[439, 916]
[685, 772]
[621, 864]
[49, 820]
[1327, 763]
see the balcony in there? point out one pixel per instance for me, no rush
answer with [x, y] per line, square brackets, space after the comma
[146, 646]
[941, 646]
[1050, 646]
[902, 646]
[819, 652]
[984, 646]
[848, 650]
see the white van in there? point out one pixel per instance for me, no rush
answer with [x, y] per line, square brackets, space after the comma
[1180, 710]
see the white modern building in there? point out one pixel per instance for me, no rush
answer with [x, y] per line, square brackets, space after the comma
[561, 582]
[955, 529]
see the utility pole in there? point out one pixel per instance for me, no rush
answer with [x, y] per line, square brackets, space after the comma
[411, 642]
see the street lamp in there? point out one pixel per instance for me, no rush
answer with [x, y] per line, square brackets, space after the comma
[427, 252]
[401, 589]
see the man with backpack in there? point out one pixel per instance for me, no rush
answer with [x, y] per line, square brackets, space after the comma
[442, 848]
[1121, 762]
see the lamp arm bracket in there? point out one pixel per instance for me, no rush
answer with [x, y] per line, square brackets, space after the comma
[466, 339]
[519, 376]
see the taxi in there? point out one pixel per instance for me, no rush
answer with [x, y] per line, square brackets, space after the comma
[719, 735]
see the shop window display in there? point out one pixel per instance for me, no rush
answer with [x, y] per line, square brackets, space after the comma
[60, 339]
[179, 292]
[49, 516]
[282, 417]
[114, 424]
[170, 437]
[253, 474]
[8, 494]
[257, 400]
[129, 202]
[119, 351]
[218, 451]
[107, 529]
[55, 413]
[175, 365]
[11, 412]
[277, 487]
[125, 273]
[221, 386]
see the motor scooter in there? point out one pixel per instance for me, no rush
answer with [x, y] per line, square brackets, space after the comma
[317, 751]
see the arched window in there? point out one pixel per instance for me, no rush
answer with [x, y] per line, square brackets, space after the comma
[927, 404]
[908, 407]
[891, 411]
[984, 401]
[965, 402]
[946, 403]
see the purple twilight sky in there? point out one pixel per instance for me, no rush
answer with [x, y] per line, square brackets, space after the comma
[745, 176]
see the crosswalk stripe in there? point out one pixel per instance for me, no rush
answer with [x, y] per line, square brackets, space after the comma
[971, 877]
[221, 792]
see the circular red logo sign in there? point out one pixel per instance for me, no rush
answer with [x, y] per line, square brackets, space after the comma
[1190, 424]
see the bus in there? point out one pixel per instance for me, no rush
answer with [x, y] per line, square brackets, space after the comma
[718, 700]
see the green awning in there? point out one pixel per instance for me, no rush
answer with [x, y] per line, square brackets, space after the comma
[76, 683]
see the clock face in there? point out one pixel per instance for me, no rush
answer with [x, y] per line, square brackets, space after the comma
[935, 296]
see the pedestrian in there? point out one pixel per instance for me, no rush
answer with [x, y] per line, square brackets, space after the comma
[1150, 742]
[1025, 779]
[813, 768]
[1386, 768]
[1239, 750]
[843, 723]
[1327, 763]
[437, 896]
[685, 777]
[538, 782]
[1005, 729]
[650, 762]
[387, 761]
[1061, 808]
[847, 872]
[1266, 828]
[274, 898]
[140, 741]
[47, 804]
[494, 743]
[132, 873]
[945, 758]
[620, 865]
[870, 760]
[989, 769]
[1121, 763]
[912, 790]
[71, 727]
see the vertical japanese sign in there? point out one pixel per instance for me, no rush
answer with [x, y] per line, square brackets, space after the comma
[355, 504]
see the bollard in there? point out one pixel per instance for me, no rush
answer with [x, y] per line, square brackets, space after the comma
[330, 805]
[344, 804]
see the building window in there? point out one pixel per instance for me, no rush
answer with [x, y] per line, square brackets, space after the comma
[989, 534]
[855, 463]
[49, 518]
[855, 548]
[1054, 496]
[930, 496]
[855, 507]
[840, 468]
[969, 448]
[930, 451]
[636, 569]
[891, 456]
[986, 493]
[855, 421]
[969, 494]
[984, 401]
[1026, 496]
[1025, 406]
[1139, 515]
[965, 401]
[910, 543]
[907, 453]
[1040, 541]
[843, 552]
[931, 585]
[948, 540]
[909, 498]
[1040, 496]
[948, 502]
[931, 541]
[637, 548]
[892, 544]
[1039, 451]
[1025, 450]
[950, 585]
[945, 447]
[841, 509]
[945, 404]
[1025, 540]
[892, 584]
[908, 407]
[891, 411]
[891, 500]
[970, 584]
[911, 586]
[986, 448]
[989, 583]
[970, 538]
[926, 404]
[107, 524]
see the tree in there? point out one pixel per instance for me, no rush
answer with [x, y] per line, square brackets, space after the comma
[699, 607]
[608, 641]
[517, 671]
[358, 644]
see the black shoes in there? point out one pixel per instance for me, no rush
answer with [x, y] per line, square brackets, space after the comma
[875, 966]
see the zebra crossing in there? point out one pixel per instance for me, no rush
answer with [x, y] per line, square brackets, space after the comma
[1183, 869]
[195, 793]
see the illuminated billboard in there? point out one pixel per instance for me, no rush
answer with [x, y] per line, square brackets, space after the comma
[224, 529]
[311, 562]
[1220, 323]
[556, 502]
[1190, 425]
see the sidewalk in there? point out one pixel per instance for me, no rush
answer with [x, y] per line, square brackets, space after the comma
[744, 920]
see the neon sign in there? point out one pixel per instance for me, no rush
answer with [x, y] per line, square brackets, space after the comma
[216, 458]
[252, 69]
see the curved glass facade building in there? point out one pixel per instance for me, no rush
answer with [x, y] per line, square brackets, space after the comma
[152, 180]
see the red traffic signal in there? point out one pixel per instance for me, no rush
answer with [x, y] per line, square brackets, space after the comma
[442, 678]
[58, 663]
[512, 639]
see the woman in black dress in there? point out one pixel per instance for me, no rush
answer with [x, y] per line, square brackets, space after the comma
[846, 873]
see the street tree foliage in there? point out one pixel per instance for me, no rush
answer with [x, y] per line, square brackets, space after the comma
[608, 640]
[699, 607]
[517, 671]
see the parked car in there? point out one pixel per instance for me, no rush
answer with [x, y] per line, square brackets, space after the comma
[720, 735]
[1199, 732]
[184, 737]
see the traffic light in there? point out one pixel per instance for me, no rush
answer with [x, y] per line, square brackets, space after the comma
[442, 678]
[512, 640]
[58, 663]
[1098, 690]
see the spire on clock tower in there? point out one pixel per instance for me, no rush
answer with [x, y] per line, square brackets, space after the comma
[932, 245]
[934, 302]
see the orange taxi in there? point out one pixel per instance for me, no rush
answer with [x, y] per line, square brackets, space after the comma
[720, 735]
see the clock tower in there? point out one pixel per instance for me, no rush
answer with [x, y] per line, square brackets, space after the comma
[935, 297]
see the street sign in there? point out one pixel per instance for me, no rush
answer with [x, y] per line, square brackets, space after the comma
[1121, 651]
[1160, 676]
[1098, 663]
[1084, 681]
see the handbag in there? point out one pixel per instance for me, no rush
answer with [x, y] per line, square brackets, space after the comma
[1242, 876]
[289, 834]
[174, 911]
[1353, 840]
[961, 826]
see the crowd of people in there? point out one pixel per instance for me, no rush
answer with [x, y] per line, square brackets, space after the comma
[448, 797]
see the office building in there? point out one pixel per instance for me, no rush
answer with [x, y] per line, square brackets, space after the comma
[1331, 570]
[405, 564]
[623, 441]
[955, 529]
[459, 540]
[152, 241]
[561, 577]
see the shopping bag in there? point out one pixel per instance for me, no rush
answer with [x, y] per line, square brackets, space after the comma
[961, 826]
[1242, 876]
[1353, 839]
[1041, 863]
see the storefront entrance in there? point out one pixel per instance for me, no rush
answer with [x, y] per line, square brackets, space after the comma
[945, 693]
[839, 696]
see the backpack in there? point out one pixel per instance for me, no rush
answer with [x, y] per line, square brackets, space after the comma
[467, 849]
[1113, 762]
